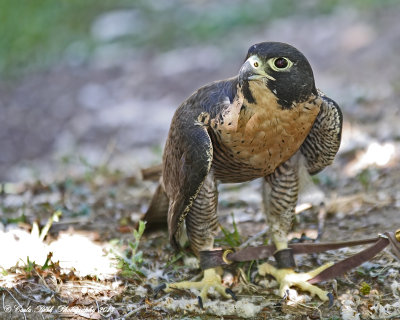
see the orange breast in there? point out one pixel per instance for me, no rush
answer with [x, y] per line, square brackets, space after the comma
[263, 135]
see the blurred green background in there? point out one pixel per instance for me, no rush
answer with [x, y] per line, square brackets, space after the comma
[34, 35]
[81, 78]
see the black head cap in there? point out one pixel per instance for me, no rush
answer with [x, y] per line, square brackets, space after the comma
[294, 79]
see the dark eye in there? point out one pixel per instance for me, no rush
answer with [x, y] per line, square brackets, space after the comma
[281, 63]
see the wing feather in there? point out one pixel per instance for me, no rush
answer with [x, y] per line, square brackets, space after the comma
[188, 153]
[323, 141]
[187, 161]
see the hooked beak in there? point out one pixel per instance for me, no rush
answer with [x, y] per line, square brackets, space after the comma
[248, 73]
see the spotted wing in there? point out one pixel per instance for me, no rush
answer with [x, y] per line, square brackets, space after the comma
[323, 141]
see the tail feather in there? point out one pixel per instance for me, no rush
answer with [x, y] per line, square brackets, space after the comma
[156, 215]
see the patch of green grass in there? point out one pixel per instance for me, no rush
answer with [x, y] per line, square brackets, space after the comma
[131, 261]
[29, 266]
[137, 256]
[365, 288]
[231, 239]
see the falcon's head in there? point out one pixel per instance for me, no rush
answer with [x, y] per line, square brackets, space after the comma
[283, 70]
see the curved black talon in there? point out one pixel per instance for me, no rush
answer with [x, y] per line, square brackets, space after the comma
[231, 293]
[159, 288]
[200, 300]
[331, 299]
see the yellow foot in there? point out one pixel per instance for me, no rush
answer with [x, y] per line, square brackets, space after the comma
[288, 278]
[210, 279]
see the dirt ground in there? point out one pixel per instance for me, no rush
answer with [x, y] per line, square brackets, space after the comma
[75, 139]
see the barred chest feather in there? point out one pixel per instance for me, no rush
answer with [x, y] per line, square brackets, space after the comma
[252, 140]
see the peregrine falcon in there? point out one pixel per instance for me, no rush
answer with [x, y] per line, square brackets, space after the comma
[270, 121]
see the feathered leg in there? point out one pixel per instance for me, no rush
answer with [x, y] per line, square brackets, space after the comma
[201, 228]
[280, 192]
